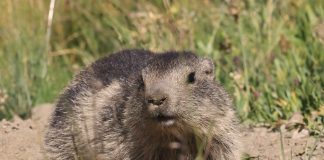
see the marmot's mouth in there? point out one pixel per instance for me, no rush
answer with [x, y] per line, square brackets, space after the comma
[165, 120]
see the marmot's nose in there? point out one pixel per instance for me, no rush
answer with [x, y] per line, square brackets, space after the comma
[156, 101]
[156, 98]
[157, 93]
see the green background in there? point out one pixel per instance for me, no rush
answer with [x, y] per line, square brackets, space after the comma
[268, 54]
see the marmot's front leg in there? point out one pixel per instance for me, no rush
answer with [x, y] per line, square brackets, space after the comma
[222, 150]
[59, 141]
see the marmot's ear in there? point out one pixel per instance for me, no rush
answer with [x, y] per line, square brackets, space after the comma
[207, 68]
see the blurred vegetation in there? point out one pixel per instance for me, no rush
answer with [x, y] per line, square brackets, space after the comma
[269, 54]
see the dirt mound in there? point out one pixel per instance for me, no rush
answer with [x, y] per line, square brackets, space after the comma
[23, 140]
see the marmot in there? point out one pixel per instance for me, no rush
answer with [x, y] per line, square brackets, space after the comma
[140, 105]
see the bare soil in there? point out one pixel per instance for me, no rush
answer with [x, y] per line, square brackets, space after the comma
[23, 140]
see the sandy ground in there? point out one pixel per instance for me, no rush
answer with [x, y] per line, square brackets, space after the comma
[22, 140]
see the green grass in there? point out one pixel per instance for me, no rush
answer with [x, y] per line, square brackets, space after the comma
[268, 54]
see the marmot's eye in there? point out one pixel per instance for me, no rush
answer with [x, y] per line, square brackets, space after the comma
[191, 77]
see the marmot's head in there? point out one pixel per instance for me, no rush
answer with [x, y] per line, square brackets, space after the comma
[179, 90]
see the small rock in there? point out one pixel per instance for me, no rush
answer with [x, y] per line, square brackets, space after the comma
[300, 134]
[296, 118]
[14, 128]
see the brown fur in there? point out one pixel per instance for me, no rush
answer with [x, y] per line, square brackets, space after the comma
[136, 105]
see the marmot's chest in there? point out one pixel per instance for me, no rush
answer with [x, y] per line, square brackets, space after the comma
[169, 151]
[164, 155]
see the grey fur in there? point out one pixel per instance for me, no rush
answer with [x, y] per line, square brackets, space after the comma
[136, 105]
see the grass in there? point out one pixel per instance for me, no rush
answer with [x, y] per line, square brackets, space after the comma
[268, 54]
